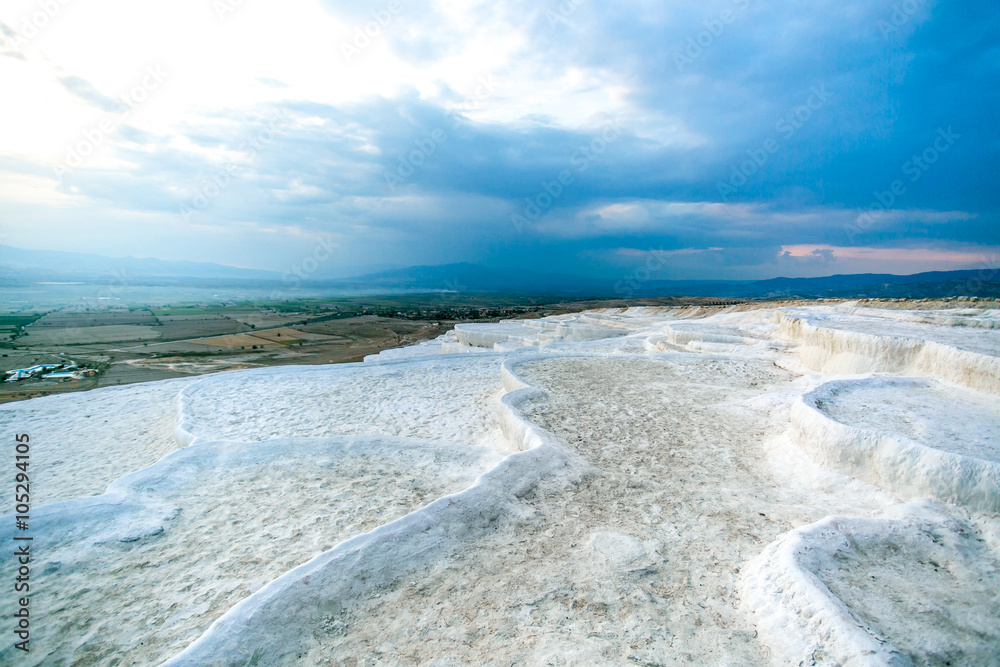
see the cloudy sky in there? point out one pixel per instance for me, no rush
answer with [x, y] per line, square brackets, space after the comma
[709, 139]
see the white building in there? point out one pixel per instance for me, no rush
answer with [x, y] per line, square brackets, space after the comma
[62, 375]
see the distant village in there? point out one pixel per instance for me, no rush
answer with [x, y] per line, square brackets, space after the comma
[68, 371]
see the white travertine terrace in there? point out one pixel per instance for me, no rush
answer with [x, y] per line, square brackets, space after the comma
[914, 587]
[832, 341]
[914, 437]
[595, 488]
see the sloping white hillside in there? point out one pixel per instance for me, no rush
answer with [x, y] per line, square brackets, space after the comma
[644, 485]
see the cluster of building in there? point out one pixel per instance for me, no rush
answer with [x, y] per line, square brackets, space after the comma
[68, 371]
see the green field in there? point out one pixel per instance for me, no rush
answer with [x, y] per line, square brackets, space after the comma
[136, 344]
[139, 344]
[18, 320]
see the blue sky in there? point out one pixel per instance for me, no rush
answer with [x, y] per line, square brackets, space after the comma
[726, 139]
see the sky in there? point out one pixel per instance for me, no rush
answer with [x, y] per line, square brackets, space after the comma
[718, 139]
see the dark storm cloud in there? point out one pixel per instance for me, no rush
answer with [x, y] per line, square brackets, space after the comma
[810, 114]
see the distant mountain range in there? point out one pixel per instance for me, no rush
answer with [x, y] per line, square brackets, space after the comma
[919, 285]
[466, 277]
[19, 266]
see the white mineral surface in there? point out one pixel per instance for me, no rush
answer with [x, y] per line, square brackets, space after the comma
[815, 485]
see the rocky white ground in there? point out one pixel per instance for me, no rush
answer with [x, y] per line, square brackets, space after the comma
[725, 486]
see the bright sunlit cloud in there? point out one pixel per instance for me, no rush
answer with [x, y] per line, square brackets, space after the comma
[432, 131]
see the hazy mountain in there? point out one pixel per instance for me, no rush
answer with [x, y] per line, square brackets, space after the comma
[474, 278]
[920, 285]
[18, 264]
[464, 277]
